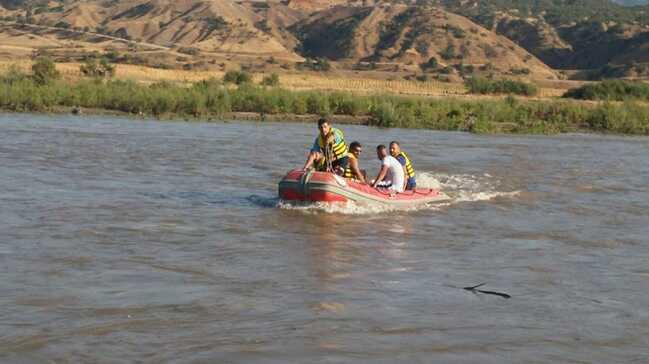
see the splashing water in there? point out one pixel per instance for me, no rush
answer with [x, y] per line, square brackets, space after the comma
[263, 201]
[348, 208]
[464, 187]
[460, 188]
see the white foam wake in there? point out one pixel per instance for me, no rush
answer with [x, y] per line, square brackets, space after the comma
[464, 187]
[349, 208]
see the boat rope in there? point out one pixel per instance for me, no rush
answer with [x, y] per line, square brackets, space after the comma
[329, 157]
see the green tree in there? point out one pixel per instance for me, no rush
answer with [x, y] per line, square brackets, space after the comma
[237, 77]
[44, 70]
[448, 52]
[431, 64]
[97, 68]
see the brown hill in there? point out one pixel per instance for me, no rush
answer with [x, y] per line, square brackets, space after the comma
[220, 26]
[579, 34]
[582, 45]
[317, 5]
[535, 35]
[411, 35]
[396, 36]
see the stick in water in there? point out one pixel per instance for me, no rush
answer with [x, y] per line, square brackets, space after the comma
[475, 289]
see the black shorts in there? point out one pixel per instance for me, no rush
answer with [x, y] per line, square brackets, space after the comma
[340, 162]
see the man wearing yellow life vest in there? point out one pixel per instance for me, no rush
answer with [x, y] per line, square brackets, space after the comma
[329, 148]
[353, 170]
[408, 169]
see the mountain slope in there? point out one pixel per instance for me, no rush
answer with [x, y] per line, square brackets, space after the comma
[212, 26]
[563, 34]
[410, 35]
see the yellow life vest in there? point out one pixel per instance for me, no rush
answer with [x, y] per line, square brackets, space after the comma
[348, 171]
[410, 170]
[339, 149]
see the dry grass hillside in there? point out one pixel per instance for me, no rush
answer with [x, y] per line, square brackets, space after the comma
[221, 26]
[598, 37]
[369, 39]
[533, 34]
[299, 81]
[318, 5]
[568, 35]
[348, 82]
[412, 35]
[581, 45]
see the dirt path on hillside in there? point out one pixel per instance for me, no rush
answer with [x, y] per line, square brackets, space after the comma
[17, 26]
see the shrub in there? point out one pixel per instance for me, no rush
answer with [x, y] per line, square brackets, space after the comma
[456, 31]
[237, 77]
[44, 70]
[97, 68]
[189, 50]
[271, 80]
[490, 51]
[347, 104]
[520, 71]
[317, 103]
[383, 113]
[263, 26]
[487, 67]
[13, 75]
[62, 25]
[446, 70]
[216, 23]
[431, 64]
[479, 85]
[618, 90]
[448, 52]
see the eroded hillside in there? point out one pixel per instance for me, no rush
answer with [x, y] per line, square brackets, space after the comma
[412, 36]
[502, 36]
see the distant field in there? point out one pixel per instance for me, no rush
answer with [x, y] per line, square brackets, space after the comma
[293, 81]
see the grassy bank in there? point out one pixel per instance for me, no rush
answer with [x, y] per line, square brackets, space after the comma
[211, 99]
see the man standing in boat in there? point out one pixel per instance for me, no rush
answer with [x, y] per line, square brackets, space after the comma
[392, 174]
[329, 151]
[402, 157]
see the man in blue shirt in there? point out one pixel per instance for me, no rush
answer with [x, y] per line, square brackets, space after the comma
[329, 147]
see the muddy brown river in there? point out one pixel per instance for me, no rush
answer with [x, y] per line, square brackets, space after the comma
[164, 242]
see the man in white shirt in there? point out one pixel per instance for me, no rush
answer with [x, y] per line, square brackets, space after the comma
[391, 174]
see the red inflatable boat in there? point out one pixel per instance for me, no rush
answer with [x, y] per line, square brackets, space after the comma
[313, 186]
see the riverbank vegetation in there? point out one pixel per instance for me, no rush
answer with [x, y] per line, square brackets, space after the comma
[612, 90]
[213, 99]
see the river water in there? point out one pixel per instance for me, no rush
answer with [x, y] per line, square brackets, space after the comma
[141, 241]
